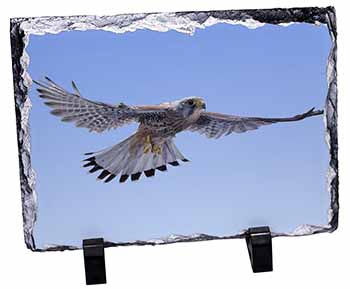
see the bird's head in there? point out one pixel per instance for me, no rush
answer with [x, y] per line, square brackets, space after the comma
[190, 105]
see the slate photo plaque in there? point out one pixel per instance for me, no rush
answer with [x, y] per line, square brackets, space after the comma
[156, 128]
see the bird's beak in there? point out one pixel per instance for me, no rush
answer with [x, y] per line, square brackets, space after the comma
[200, 104]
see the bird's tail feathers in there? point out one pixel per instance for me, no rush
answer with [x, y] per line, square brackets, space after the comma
[131, 158]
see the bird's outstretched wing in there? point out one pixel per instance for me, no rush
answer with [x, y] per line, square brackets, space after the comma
[95, 116]
[214, 125]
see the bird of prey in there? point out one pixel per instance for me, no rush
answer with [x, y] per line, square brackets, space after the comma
[152, 146]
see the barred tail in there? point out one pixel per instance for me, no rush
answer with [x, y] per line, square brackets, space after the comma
[129, 158]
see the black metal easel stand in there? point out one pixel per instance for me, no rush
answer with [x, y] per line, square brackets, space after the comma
[259, 243]
[94, 260]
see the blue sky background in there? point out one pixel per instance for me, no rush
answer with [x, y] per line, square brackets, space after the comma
[273, 176]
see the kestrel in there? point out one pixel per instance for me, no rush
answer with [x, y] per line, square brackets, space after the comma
[152, 146]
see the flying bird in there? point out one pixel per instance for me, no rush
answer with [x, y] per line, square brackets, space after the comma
[152, 146]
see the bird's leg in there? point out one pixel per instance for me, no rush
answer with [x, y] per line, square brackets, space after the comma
[149, 146]
[156, 149]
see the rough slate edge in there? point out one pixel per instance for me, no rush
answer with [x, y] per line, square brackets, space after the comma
[186, 22]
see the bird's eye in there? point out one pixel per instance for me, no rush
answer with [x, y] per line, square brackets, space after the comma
[190, 102]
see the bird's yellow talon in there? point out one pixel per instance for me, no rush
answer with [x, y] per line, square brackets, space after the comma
[156, 149]
[150, 147]
[146, 149]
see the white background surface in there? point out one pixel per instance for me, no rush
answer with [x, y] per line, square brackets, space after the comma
[319, 261]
